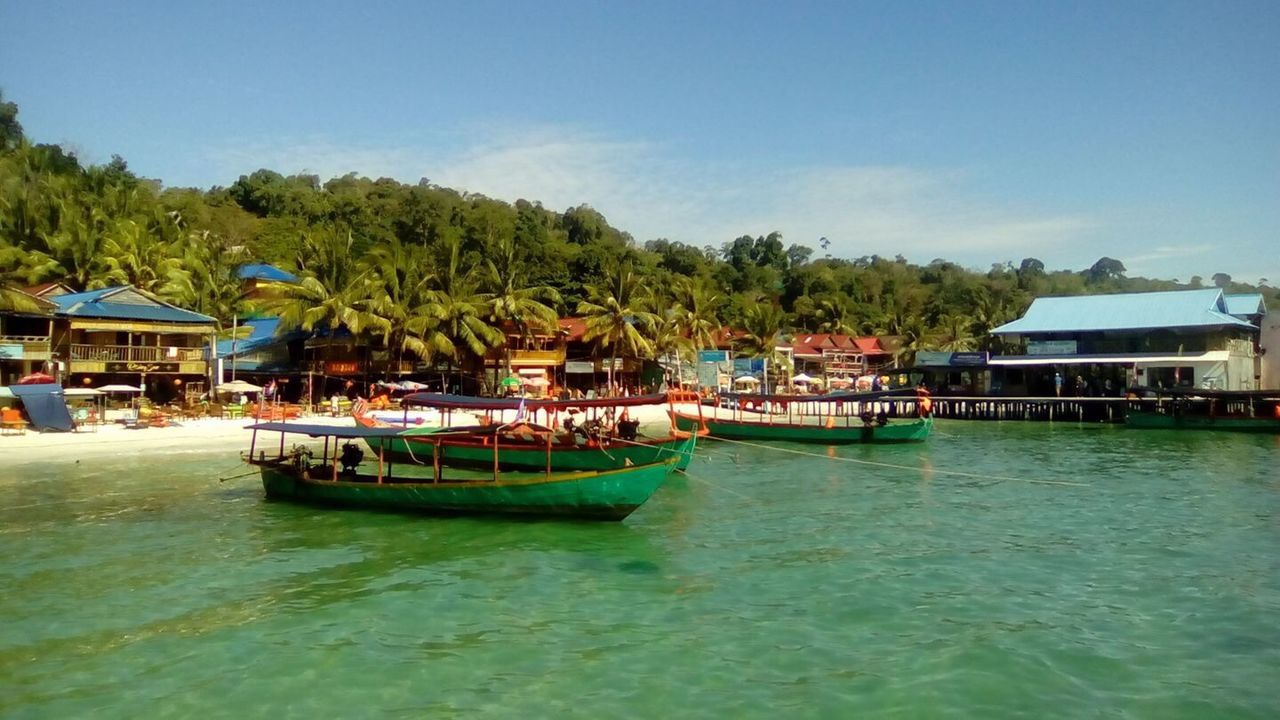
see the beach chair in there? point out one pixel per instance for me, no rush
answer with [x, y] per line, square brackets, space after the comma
[12, 423]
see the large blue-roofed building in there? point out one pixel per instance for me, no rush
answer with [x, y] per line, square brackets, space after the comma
[124, 335]
[1100, 344]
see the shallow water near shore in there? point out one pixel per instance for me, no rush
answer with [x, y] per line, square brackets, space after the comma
[760, 584]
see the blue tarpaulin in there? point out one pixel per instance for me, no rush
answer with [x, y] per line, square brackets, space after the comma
[46, 406]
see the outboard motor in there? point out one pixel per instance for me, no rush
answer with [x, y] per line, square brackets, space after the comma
[351, 457]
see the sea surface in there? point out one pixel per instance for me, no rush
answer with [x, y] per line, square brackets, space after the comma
[1090, 572]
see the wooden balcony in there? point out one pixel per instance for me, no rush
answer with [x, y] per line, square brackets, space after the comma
[136, 358]
[25, 347]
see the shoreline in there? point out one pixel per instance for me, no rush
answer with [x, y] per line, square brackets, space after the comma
[202, 435]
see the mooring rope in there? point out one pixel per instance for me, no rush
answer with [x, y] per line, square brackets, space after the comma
[873, 463]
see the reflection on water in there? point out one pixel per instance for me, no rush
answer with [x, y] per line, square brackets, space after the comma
[760, 583]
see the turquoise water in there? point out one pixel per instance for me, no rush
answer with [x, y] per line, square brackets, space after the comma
[762, 584]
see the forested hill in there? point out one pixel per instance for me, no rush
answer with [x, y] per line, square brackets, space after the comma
[102, 225]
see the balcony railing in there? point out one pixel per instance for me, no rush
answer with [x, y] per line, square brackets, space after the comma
[135, 354]
[30, 347]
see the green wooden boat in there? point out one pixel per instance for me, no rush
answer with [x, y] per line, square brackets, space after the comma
[893, 432]
[598, 495]
[1240, 411]
[473, 447]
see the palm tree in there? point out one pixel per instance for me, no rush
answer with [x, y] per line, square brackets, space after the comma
[135, 257]
[508, 300]
[330, 293]
[461, 310]
[13, 273]
[206, 277]
[955, 334]
[696, 305]
[613, 310]
[402, 304]
[835, 316]
[763, 324]
[669, 339]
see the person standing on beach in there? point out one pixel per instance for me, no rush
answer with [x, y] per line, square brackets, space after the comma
[1057, 384]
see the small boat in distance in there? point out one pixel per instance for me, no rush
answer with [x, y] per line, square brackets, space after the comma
[834, 419]
[1240, 411]
[295, 476]
[603, 438]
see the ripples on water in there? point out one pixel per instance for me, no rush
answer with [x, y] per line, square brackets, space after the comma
[761, 584]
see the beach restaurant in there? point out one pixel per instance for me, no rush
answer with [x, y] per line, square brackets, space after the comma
[1101, 344]
[124, 335]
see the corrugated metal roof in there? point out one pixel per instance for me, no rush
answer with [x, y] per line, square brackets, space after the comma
[1124, 311]
[263, 271]
[1242, 305]
[97, 304]
[263, 334]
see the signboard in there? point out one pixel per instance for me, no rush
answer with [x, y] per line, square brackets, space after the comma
[713, 356]
[931, 358]
[579, 367]
[746, 366]
[969, 359]
[1051, 347]
[341, 367]
[10, 352]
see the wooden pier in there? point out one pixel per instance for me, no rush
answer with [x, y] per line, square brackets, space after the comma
[1040, 409]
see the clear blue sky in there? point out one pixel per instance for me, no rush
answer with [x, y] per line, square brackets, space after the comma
[979, 132]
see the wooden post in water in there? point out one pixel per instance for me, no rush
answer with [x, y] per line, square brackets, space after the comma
[380, 460]
[435, 460]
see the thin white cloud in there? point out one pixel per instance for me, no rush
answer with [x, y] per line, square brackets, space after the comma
[641, 188]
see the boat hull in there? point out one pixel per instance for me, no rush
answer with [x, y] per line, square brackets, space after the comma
[609, 495]
[1146, 420]
[894, 432]
[407, 449]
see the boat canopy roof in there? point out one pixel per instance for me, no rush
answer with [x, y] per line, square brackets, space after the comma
[828, 397]
[468, 402]
[337, 431]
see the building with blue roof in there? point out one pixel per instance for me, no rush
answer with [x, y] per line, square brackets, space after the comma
[256, 277]
[1100, 344]
[259, 348]
[124, 335]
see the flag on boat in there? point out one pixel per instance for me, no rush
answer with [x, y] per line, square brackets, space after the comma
[520, 412]
[359, 407]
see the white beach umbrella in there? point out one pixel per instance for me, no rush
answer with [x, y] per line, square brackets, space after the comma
[81, 392]
[120, 389]
[746, 380]
[238, 386]
[802, 379]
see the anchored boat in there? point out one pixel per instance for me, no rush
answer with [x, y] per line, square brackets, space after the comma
[835, 419]
[341, 479]
[604, 438]
[1241, 411]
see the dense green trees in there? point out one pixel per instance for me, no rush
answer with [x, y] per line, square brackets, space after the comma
[436, 273]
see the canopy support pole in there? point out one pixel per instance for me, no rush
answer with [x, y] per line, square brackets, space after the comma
[496, 437]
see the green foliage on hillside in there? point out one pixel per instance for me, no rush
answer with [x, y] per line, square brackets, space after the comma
[477, 263]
